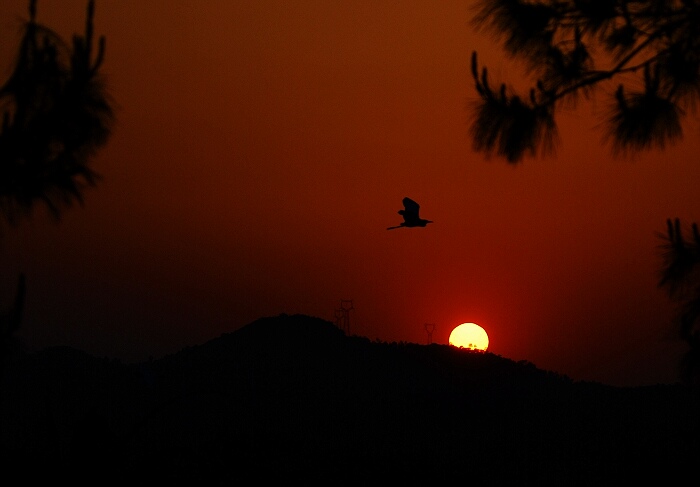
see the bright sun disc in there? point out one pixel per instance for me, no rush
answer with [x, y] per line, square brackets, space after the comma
[471, 336]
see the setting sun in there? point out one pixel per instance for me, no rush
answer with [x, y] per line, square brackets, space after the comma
[471, 336]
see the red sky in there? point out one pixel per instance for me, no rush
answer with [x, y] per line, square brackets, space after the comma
[261, 150]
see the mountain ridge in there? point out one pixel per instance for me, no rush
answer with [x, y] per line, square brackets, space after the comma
[296, 389]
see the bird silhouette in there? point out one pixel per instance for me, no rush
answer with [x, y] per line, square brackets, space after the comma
[410, 215]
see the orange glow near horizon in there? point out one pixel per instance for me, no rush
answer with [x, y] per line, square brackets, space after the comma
[470, 336]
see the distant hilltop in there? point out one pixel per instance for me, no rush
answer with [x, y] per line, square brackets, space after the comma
[293, 397]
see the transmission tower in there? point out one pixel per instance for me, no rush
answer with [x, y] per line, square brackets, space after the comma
[429, 328]
[342, 315]
[338, 318]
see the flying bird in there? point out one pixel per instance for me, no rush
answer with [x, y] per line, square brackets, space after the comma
[410, 215]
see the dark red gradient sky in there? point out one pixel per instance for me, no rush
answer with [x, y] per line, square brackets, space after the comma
[261, 150]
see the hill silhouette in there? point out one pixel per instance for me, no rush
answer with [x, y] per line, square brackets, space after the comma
[293, 398]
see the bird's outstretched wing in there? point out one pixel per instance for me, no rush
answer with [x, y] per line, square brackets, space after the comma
[411, 207]
[410, 211]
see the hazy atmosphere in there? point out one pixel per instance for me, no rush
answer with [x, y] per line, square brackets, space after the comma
[262, 148]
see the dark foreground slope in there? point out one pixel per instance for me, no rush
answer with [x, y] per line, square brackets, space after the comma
[292, 397]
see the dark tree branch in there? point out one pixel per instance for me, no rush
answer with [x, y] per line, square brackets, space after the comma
[57, 114]
[558, 37]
